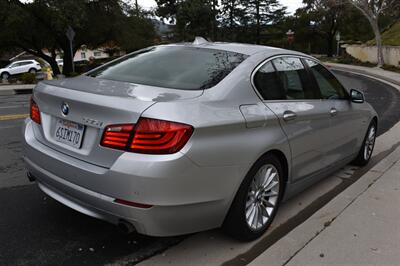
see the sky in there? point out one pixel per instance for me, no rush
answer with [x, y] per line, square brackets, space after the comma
[291, 4]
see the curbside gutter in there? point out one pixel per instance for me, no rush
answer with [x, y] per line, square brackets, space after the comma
[389, 76]
[16, 89]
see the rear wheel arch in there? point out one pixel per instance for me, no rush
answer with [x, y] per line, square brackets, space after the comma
[285, 165]
[4, 72]
[235, 222]
[375, 120]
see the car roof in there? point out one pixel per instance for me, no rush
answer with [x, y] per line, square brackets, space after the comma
[242, 48]
[22, 61]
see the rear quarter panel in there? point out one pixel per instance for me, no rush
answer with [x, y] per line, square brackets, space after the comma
[221, 138]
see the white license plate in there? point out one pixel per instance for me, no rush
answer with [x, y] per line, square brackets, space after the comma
[69, 133]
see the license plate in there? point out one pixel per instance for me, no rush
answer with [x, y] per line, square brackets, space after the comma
[69, 133]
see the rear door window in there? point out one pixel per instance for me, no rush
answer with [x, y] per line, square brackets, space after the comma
[177, 67]
[294, 78]
[268, 84]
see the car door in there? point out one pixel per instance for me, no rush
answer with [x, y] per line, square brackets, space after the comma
[18, 68]
[285, 86]
[25, 66]
[345, 121]
[13, 68]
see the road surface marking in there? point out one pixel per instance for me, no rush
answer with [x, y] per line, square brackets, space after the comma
[13, 117]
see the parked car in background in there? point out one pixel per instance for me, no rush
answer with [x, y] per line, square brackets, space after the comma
[20, 67]
[180, 138]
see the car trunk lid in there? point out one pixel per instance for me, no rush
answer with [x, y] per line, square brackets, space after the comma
[95, 103]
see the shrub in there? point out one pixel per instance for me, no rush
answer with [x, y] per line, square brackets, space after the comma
[28, 78]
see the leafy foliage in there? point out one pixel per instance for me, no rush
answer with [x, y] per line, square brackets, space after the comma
[41, 25]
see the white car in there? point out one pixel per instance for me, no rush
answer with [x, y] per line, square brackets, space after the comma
[19, 67]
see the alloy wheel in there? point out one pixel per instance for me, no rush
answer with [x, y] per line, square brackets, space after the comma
[262, 197]
[369, 143]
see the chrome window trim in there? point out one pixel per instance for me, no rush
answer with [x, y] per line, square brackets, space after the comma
[269, 59]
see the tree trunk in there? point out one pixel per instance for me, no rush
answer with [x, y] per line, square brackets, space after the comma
[330, 46]
[67, 60]
[258, 31]
[49, 59]
[378, 40]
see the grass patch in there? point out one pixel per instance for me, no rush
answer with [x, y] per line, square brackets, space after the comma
[391, 36]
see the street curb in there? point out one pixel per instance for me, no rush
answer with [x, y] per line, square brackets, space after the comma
[15, 92]
[363, 72]
[24, 89]
[289, 246]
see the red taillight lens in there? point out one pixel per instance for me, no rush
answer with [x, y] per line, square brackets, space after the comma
[35, 113]
[149, 136]
[117, 136]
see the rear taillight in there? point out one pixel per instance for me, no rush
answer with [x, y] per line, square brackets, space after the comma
[35, 113]
[149, 136]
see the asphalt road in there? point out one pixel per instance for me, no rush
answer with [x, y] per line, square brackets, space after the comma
[36, 230]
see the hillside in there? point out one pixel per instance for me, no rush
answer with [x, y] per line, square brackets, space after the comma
[391, 36]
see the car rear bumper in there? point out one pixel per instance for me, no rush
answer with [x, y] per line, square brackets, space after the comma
[185, 198]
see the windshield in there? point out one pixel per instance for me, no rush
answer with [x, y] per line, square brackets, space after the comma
[176, 67]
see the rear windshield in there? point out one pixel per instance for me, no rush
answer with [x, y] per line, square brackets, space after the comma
[185, 68]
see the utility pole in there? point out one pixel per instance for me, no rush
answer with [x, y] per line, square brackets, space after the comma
[338, 44]
[71, 35]
[137, 8]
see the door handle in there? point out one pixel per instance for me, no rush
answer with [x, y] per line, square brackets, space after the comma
[333, 112]
[289, 115]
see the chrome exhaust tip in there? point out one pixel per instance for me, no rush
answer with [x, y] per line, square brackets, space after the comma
[30, 177]
[126, 227]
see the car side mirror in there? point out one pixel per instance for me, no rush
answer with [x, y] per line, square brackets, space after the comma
[357, 96]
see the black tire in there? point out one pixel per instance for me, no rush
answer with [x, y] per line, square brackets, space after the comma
[32, 71]
[362, 159]
[5, 75]
[235, 223]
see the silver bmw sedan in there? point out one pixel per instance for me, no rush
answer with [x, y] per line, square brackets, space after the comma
[175, 139]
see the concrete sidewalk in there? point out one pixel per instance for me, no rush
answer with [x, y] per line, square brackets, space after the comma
[361, 230]
[375, 72]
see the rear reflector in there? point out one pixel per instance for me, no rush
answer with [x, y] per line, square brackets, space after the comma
[148, 136]
[133, 204]
[35, 112]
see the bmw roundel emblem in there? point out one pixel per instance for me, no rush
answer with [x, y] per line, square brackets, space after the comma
[64, 108]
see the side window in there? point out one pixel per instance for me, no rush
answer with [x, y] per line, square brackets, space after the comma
[268, 84]
[294, 79]
[329, 86]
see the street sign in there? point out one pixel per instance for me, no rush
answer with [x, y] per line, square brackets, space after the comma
[70, 34]
[338, 36]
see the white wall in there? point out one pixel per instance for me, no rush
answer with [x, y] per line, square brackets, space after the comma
[365, 53]
[85, 54]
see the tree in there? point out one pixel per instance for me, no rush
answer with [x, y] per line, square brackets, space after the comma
[41, 25]
[167, 9]
[264, 12]
[372, 10]
[231, 11]
[325, 15]
[194, 18]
